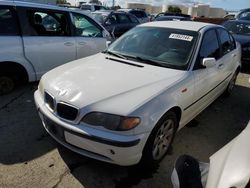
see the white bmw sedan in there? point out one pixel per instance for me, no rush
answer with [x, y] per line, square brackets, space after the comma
[124, 105]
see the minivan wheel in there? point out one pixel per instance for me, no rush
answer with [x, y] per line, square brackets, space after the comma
[160, 139]
[7, 84]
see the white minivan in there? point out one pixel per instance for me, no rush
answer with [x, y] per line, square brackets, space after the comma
[36, 38]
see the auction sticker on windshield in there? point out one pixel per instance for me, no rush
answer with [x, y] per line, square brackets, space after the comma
[181, 37]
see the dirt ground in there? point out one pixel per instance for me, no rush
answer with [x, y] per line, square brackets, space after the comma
[29, 157]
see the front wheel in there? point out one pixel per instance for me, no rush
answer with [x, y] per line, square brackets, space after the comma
[160, 139]
[7, 84]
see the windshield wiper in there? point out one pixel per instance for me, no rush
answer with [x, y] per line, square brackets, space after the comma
[147, 61]
[114, 54]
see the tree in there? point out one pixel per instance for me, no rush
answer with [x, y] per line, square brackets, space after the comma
[174, 9]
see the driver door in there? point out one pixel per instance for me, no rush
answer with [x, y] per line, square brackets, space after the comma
[207, 79]
[88, 34]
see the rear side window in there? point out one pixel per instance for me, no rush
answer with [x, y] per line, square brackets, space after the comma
[227, 43]
[210, 46]
[123, 18]
[8, 23]
[139, 14]
[133, 19]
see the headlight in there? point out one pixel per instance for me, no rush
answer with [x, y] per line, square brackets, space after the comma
[111, 121]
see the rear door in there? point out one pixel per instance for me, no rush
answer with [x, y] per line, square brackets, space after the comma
[89, 35]
[229, 56]
[47, 38]
[10, 39]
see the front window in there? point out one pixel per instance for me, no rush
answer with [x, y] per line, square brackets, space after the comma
[85, 27]
[159, 46]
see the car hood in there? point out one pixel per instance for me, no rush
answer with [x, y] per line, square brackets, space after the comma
[96, 79]
[242, 39]
[230, 166]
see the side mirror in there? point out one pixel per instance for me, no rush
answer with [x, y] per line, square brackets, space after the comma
[208, 62]
[108, 43]
[108, 22]
[106, 34]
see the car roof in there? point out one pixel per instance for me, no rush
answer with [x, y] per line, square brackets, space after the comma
[185, 25]
[106, 12]
[31, 4]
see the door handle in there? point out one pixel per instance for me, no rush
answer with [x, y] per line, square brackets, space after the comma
[234, 55]
[68, 43]
[220, 66]
[81, 43]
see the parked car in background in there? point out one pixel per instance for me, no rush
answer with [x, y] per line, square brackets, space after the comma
[244, 14]
[172, 14]
[36, 38]
[92, 7]
[172, 18]
[126, 104]
[140, 14]
[116, 22]
[229, 17]
[240, 29]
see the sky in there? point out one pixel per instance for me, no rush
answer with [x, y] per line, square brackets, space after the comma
[225, 4]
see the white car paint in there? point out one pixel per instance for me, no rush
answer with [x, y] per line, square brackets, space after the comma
[99, 84]
[230, 166]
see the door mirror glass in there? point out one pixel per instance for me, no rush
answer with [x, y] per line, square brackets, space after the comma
[108, 43]
[208, 62]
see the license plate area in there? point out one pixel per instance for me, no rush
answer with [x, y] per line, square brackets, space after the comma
[53, 128]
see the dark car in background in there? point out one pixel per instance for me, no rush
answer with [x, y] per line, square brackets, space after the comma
[244, 14]
[172, 18]
[141, 15]
[116, 22]
[241, 32]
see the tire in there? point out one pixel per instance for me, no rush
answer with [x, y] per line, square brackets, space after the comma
[7, 84]
[231, 85]
[160, 139]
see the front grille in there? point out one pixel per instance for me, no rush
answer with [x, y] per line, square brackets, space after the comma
[67, 111]
[49, 100]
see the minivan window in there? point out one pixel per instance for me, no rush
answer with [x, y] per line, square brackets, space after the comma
[85, 27]
[8, 23]
[48, 23]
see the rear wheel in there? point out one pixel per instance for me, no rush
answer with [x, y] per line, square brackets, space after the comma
[160, 139]
[7, 84]
[231, 85]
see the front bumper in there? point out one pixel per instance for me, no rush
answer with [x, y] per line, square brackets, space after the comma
[102, 145]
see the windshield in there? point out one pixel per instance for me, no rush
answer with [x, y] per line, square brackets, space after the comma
[168, 47]
[238, 28]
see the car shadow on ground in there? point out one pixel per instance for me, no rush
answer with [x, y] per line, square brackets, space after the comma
[23, 137]
[211, 130]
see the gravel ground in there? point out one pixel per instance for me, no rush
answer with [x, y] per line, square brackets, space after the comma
[29, 157]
